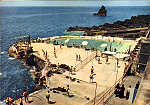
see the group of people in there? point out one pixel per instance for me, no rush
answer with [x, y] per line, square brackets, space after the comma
[120, 91]
[99, 60]
[55, 52]
[10, 101]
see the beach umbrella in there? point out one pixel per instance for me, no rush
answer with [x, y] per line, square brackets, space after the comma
[67, 40]
[84, 43]
[104, 45]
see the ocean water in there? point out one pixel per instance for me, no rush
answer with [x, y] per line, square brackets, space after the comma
[44, 22]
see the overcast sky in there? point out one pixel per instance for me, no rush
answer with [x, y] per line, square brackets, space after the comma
[75, 3]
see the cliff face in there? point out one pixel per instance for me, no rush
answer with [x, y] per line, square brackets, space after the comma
[102, 12]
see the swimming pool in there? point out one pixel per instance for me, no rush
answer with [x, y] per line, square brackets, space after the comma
[96, 44]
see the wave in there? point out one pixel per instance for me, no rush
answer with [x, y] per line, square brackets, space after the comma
[24, 36]
[32, 70]
[10, 58]
[2, 102]
[3, 52]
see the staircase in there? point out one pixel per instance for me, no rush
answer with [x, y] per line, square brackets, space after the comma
[85, 61]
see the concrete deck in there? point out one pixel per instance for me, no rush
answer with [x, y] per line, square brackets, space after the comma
[105, 75]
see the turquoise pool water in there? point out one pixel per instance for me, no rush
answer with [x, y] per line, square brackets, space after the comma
[96, 44]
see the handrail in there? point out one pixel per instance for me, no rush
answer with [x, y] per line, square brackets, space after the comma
[85, 61]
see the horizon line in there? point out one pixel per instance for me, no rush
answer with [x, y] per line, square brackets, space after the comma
[75, 3]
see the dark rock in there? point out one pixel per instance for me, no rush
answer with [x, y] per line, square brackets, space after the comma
[102, 12]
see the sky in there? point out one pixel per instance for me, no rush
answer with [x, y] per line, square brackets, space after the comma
[75, 3]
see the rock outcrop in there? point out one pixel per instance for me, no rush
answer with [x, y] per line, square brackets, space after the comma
[102, 12]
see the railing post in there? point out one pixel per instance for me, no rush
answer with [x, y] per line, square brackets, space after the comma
[103, 99]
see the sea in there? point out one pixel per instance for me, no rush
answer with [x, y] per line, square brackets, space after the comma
[45, 22]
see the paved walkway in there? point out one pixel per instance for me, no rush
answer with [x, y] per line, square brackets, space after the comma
[130, 80]
[143, 95]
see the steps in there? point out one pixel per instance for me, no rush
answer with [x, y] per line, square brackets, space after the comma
[85, 61]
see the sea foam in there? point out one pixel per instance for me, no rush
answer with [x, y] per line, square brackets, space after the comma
[10, 58]
[2, 52]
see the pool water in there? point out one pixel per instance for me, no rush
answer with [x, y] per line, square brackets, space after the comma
[96, 44]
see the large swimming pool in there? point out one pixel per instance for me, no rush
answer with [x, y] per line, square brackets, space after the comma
[96, 44]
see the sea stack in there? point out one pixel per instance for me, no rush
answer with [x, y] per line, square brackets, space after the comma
[102, 11]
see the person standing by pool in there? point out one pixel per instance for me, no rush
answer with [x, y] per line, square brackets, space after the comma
[117, 90]
[115, 50]
[106, 59]
[137, 85]
[60, 45]
[76, 57]
[128, 92]
[79, 57]
[117, 62]
[99, 60]
[47, 96]
[67, 90]
[122, 89]
[96, 54]
[58, 66]
[92, 74]
[55, 53]
[92, 70]
[71, 69]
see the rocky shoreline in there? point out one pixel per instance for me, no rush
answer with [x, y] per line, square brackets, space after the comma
[23, 51]
[134, 27]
